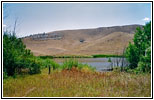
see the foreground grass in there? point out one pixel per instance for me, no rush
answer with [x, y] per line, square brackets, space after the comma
[78, 83]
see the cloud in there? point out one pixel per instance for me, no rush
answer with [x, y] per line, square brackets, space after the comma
[146, 19]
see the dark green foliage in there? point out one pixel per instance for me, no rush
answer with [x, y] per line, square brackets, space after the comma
[109, 60]
[132, 55]
[75, 56]
[35, 68]
[45, 57]
[16, 57]
[139, 53]
[144, 64]
[101, 55]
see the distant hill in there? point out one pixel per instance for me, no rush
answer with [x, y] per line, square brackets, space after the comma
[102, 40]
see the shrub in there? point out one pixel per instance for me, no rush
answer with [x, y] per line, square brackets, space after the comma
[34, 68]
[16, 56]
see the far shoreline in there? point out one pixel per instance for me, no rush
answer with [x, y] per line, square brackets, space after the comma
[80, 56]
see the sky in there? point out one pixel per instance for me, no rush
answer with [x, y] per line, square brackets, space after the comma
[34, 18]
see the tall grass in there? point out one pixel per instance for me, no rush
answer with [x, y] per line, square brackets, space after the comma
[77, 83]
[69, 63]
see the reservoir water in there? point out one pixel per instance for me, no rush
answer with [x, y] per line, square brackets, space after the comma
[101, 64]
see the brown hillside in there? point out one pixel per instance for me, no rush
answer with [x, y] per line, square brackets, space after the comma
[104, 40]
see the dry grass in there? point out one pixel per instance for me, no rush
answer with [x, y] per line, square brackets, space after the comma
[78, 83]
[113, 43]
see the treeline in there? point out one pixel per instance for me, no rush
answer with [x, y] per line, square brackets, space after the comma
[65, 56]
[138, 53]
[81, 56]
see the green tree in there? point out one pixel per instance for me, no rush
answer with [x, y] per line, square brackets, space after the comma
[139, 53]
[132, 55]
[16, 56]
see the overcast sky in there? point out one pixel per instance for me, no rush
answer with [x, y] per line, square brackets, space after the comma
[36, 18]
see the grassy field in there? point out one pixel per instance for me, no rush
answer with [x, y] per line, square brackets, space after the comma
[78, 83]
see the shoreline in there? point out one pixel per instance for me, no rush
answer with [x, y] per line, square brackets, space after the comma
[80, 56]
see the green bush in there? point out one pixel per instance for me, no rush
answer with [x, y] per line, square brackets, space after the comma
[34, 68]
[16, 56]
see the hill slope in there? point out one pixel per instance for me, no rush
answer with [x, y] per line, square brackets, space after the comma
[103, 40]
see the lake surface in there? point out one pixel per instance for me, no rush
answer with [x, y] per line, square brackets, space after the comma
[101, 64]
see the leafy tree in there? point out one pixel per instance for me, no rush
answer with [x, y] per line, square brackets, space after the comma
[132, 55]
[139, 53]
[16, 56]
